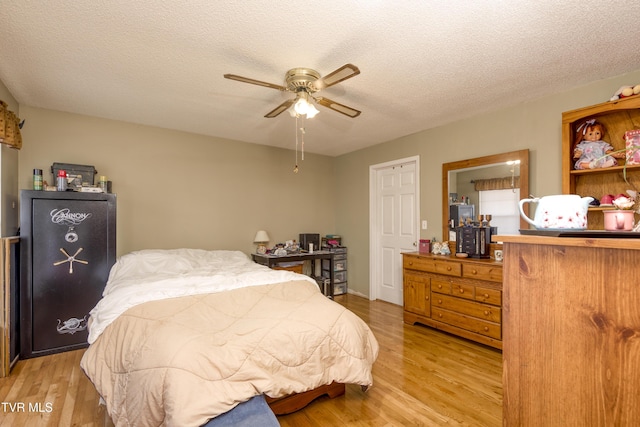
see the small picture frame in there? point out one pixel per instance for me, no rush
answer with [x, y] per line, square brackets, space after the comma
[632, 141]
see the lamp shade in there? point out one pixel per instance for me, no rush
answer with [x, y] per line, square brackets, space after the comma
[261, 237]
[312, 111]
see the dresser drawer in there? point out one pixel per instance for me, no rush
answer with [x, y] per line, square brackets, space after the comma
[489, 296]
[463, 290]
[475, 293]
[432, 265]
[470, 308]
[462, 321]
[441, 286]
[492, 273]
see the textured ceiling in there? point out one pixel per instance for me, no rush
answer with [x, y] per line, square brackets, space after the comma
[423, 63]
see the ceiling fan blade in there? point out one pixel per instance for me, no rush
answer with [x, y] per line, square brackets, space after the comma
[343, 73]
[254, 82]
[336, 106]
[280, 108]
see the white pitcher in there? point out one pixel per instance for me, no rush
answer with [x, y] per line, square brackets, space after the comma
[558, 212]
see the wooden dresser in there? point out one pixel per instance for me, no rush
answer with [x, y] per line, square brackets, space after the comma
[462, 296]
[571, 315]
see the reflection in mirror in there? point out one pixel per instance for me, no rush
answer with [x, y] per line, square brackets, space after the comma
[490, 185]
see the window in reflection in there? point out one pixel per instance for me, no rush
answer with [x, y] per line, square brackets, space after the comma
[502, 205]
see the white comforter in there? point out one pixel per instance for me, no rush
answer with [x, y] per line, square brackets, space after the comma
[192, 352]
[152, 275]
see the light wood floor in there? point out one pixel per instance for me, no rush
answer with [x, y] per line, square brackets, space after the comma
[422, 377]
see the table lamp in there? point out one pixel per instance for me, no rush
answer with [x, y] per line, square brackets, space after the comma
[261, 239]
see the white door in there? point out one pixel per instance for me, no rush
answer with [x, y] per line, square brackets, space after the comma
[394, 225]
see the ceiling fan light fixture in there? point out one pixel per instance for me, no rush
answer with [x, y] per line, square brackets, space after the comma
[303, 105]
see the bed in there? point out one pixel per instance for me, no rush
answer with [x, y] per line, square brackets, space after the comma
[183, 336]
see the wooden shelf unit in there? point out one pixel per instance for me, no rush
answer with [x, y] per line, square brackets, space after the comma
[617, 117]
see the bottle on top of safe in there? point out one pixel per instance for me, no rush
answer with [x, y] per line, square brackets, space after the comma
[103, 184]
[61, 180]
[37, 179]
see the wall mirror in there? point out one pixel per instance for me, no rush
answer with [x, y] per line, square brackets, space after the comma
[472, 183]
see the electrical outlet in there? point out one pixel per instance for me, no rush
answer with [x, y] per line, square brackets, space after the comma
[424, 224]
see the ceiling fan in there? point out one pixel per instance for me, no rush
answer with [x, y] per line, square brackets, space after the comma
[305, 82]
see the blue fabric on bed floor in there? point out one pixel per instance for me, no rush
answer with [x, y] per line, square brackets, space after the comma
[253, 412]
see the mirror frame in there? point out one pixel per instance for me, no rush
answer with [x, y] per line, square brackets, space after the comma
[522, 155]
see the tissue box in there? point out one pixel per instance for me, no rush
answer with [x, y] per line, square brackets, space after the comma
[425, 246]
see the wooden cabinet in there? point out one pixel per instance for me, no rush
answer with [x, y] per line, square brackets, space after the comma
[618, 117]
[571, 334]
[459, 296]
[417, 293]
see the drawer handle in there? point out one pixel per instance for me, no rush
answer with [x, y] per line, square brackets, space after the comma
[474, 271]
[427, 297]
[486, 312]
[448, 268]
[410, 262]
[486, 295]
[439, 314]
[439, 286]
[461, 290]
[439, 301]
[486, 329]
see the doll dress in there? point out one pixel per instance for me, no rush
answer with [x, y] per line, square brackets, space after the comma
[594, 152]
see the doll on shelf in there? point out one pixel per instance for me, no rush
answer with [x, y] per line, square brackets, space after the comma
[590, 151]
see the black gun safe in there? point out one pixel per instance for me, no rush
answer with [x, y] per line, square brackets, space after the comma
[68, 246]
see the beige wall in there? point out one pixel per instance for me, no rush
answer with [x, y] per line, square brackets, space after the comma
[176, 189]
[534, 125]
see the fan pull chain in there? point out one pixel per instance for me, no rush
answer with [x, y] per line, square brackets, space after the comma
[302, 132]
[295, 169]
[300, 141]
